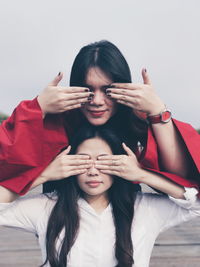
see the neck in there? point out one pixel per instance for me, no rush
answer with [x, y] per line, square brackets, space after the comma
[98, 203]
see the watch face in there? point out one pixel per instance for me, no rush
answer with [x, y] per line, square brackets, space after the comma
[166, 116]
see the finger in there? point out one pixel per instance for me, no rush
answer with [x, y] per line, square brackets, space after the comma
[128, 150]
[79, 162]
[75, 102]
[107, 162]
[145, 77]
[76, 172]
[125, 98]
[81, 95]
[74, 89]
[56, 80]
[68, 160]
[126, 87]
[71, 107]
[107, 167]
[80, 167]
[111, 172]
[65, 152]
[79, 157]
[121, 85]
[120, 91]
[125, 103]
[111, 157]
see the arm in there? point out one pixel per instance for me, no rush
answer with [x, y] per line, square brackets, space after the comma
[25, 142]
[142, 98]
[128, 167]
[191, 141]
[172, 152]
[6, 195]
[162, 184]
[61, 167]
[166, 211]
[152, 179]
[23, 212]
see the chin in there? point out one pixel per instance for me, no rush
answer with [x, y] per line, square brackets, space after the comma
[97, 122]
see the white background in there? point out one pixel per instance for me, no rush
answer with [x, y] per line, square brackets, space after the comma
[39, 38]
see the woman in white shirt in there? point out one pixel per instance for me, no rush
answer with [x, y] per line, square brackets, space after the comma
[97, 216]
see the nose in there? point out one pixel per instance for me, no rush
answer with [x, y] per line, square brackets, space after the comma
[98, 99]
[92, 171]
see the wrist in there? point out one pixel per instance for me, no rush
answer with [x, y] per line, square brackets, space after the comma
[38, 181]
[163, 116]
[140, 176]
[42, 106]
[157, 109]
[43, 179]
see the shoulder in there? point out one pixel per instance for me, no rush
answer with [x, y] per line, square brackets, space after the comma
[37, 203]
[153, 209]
[151, 200]
[30, 212]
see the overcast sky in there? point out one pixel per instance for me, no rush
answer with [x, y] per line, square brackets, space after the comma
[39, 38]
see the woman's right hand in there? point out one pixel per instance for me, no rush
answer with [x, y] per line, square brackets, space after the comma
[64, 166]
[57, 99]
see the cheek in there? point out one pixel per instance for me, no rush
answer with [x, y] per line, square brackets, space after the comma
[108, 180]
[80, 179]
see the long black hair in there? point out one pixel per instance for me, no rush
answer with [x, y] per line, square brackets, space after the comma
[65, 214]
[106, 56]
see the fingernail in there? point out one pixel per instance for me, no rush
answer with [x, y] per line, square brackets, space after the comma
[108, 91]
[83, 104]
[108, 95]
[145, 70]
[91, 94]
[87, 90]
[89, 98]
[59, 73]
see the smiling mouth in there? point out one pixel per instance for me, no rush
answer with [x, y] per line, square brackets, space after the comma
[97, 113]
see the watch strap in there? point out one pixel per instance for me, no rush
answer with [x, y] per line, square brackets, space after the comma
[163, 117]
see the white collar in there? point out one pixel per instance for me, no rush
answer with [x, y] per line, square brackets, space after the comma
[83, 204]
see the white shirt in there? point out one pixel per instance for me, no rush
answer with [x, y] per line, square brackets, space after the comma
[94, 246]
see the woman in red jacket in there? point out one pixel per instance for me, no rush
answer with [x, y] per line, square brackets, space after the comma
[100, 92]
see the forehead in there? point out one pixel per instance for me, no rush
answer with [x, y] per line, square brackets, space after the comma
[96, 77]
[94, 147]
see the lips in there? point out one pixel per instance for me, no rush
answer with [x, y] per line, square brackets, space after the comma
[97, 113]
[93, 183]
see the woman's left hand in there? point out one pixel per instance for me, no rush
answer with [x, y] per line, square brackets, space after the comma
[140, 97]
[124, 166]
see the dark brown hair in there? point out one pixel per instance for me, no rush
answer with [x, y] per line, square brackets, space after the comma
[65, 214]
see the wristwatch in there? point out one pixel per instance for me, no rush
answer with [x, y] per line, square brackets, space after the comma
[163, 117]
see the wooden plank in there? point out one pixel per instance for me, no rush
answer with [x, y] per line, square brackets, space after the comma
[177, 247]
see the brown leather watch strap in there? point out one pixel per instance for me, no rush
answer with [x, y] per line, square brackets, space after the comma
[163, 117]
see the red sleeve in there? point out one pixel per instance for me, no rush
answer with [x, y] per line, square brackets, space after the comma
[191, 140]
[27, 145]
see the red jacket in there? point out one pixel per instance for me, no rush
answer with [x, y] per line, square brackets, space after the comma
[28, 144]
